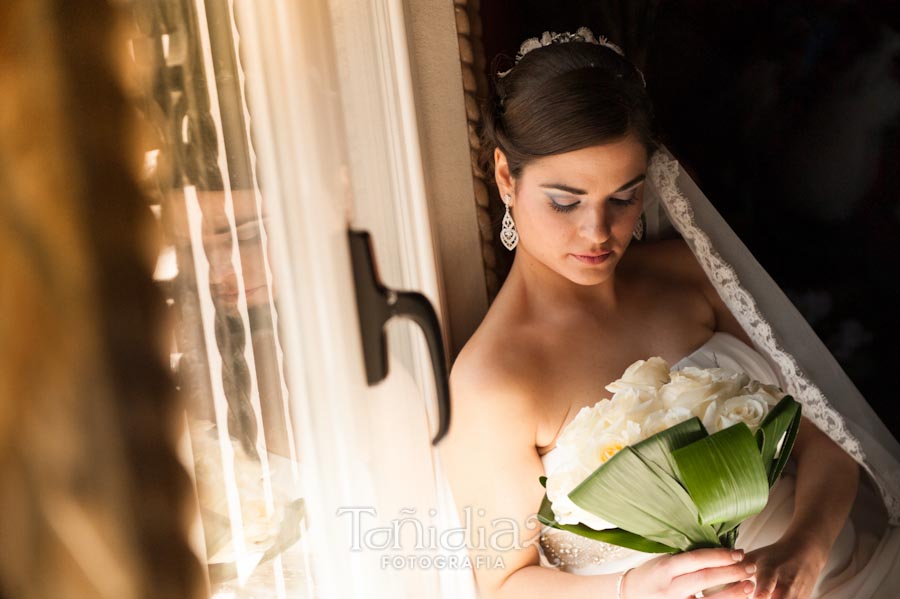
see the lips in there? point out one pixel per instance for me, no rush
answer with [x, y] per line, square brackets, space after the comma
[592, 258]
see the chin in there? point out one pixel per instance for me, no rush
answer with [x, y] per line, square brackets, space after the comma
[588, 277]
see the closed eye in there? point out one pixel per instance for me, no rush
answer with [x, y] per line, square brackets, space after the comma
[616, 201]
[562, 207]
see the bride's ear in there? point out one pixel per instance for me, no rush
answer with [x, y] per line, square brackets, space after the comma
[502, 175]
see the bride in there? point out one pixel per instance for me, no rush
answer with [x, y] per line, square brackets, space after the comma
[578, 165]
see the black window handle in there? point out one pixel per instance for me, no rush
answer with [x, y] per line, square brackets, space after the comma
[376, 304]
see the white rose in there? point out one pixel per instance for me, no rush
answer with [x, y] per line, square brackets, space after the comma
[694, 388]
[708, 417]
[588, 419]
[636, 403]
[559, 485]
[594, 420]
[770, 393]
[582, 457]
[596, 450]
[652, 373]
[749, 409]
[664, 418]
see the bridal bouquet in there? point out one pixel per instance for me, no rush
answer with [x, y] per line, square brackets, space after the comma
[268, 525]
[673, 461]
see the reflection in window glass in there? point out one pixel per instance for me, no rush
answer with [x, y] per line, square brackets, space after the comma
[216, 271]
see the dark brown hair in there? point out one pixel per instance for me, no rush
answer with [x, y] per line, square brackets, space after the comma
[564, 97]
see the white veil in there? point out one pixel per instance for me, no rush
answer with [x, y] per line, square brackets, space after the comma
[806, 368]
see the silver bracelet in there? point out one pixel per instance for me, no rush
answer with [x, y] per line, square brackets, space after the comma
[620, 582]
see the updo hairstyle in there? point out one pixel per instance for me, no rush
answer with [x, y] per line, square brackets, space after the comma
[564, 97]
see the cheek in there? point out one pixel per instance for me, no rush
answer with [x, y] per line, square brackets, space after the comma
[629, 219]
[525, 219]
[546, 228]
[537, 232]
[631, 215]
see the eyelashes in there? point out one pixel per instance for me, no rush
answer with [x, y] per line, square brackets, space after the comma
[564, 208]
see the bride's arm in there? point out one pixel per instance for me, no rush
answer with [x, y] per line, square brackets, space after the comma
[827, 481]
[826, 485]
[493, 467]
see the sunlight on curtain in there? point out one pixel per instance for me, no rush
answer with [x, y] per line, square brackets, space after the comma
[201, 170]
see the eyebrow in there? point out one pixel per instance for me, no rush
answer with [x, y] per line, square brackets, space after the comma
[581, 192]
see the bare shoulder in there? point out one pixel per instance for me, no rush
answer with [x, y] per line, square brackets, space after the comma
[667, 272]
[671, 259]
[495, 366]
[492, 381]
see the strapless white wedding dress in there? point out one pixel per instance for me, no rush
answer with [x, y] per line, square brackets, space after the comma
[863, 564]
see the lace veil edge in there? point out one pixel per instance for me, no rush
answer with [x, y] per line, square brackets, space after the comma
[808, 371]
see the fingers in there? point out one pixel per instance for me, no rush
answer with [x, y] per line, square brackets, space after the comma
[707, 578]
[699, 559]
[765, 586]
[740, 590]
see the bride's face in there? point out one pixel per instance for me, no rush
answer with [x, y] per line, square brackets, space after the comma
[576, 212]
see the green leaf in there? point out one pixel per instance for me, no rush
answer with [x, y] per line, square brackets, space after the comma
[729, 538]
[639, 496]
[659, 447]
[723, 529]
[782, 420]
[724, 475]
[614, 536]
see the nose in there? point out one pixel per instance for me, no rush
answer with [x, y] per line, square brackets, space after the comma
[596, 226]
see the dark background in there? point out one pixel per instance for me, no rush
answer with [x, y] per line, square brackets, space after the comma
[787, 114]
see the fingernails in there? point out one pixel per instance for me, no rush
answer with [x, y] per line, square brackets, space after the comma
[737, 555]
[751, 568]
[748, 588]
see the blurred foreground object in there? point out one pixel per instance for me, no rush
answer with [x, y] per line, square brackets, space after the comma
[93, 499]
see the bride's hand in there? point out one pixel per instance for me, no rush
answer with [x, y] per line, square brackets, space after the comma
[784, 571]
[686, 574]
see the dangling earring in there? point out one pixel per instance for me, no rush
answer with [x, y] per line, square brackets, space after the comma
[508, 234]
[639, 229]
